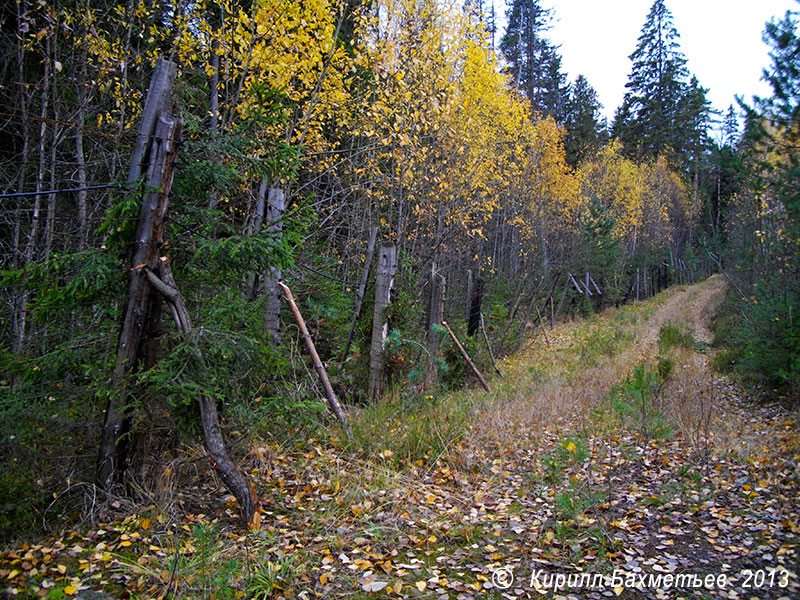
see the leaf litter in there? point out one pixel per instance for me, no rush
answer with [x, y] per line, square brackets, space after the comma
[541, 484]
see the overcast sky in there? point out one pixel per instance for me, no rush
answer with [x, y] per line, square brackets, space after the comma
[720, 38]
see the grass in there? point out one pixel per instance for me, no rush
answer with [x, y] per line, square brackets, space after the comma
[372, 486]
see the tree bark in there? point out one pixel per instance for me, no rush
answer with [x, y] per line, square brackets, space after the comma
[384, 282]
[166, 133]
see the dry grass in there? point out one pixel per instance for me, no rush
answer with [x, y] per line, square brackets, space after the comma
[550, 384]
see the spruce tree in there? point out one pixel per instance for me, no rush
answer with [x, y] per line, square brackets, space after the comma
[532, 60]
[586, 129]
[660, 103]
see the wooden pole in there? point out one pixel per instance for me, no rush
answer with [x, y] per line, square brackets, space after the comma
[275, 209]
[333, 403]
[159, 99]
[467, 359]
[384, 281]
[162, 134]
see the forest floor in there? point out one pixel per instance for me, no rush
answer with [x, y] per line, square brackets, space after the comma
[609, 461]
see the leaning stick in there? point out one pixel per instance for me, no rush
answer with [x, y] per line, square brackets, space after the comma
[466, 357]
[323, 375]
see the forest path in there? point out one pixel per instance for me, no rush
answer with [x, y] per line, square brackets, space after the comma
[607, 457]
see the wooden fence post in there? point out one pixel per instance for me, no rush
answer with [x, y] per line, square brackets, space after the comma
[384, 282]
[276, 207]
[159, 135]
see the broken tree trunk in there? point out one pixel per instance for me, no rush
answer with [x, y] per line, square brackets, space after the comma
[214, 441]
[466, 357]
[333, 403]
[362, 288]
[165, 133]
[475, 300]
[384, 281]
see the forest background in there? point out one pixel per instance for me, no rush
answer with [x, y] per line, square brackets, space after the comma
[308, 125]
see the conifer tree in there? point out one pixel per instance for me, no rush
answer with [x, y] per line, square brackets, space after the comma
[660, 102]
[532, 61]
[584, 124]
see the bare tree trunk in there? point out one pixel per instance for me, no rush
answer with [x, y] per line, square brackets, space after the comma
[362, 287]
[276, 207]
[213, 101]
[384, 282]
[80, 161]
[111, 459]
[20, 255]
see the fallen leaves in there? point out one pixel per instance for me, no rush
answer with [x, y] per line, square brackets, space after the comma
[568, 497]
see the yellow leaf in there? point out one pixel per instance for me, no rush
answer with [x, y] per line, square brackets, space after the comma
[323, 579]
[62, 569]
[618, 590]
[421, 585]
[70, 590]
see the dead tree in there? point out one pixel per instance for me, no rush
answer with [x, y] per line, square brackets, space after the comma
[384, 282]
[155, 147]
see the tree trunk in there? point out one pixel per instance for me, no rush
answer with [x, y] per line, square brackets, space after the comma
[272, 305]
[475, 301]
[362, 287]
[166, 133]
[384, 283]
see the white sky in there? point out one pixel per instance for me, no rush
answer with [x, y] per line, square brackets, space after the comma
[720, 38]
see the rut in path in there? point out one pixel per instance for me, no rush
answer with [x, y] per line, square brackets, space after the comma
[574, 390]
